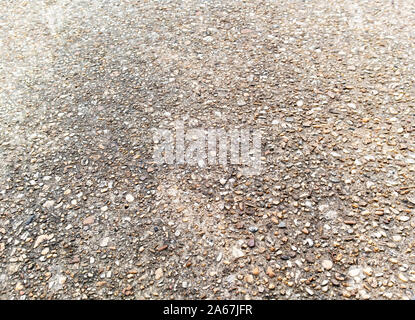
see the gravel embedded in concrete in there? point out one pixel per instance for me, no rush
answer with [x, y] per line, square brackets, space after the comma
[85, 213]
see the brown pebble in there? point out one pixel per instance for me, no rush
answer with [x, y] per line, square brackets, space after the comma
[255, 271]
[163, 247]
[89, 220]
[350, 222]
[270, 273]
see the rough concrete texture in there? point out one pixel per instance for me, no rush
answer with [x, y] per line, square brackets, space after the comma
[86, 213]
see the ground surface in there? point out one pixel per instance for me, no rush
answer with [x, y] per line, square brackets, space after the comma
[84, 213]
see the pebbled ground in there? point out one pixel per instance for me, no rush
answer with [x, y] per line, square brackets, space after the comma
[85, 213]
